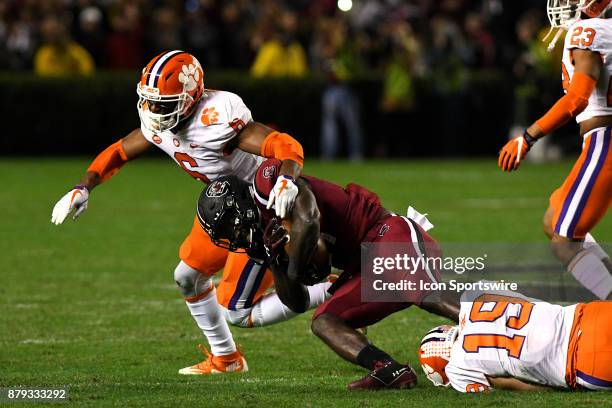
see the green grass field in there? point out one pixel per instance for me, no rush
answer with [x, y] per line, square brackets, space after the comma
[91, 306]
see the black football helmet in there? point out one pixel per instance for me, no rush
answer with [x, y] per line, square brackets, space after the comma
[228, 214]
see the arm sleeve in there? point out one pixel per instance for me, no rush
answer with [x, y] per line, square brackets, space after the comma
[283, 147]
[571, 104]
[109, 162]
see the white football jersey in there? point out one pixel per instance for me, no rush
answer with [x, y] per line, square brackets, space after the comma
[593, 34]
[201, 146]
[509, 335]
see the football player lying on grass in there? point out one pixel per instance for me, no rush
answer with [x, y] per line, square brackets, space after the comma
[327, 222]
[508, 341]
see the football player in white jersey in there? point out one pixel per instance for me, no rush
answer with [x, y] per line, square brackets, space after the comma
[208, 134]
[508, 341]
[583, 199]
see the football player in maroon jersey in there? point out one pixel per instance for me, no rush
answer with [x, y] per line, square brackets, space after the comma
[234, 214]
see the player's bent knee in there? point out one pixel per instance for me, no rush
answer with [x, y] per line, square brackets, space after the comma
[319, 324]
[239, 318]
[315, 327]
[547, 224]
[191, 283]
[565, 249]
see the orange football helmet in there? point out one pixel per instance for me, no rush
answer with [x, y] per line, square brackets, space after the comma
[435, 353]
[170, 87]
[596, 8]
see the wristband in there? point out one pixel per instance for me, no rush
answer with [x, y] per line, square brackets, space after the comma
[529, 139]
[81, 187]
[287, 177]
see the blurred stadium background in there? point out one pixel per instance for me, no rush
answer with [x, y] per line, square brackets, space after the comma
[384, 77]
[91, 306]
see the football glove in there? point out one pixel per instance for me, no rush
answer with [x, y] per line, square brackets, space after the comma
[283, 195]
[76, 199]
[274, 238]
[514, 151]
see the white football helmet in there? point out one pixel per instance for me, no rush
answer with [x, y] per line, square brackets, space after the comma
[563, 13]
[435, 353]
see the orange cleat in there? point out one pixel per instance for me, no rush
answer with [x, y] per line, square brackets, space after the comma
[231, 363]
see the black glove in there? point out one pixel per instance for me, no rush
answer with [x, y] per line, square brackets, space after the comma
[274, 238]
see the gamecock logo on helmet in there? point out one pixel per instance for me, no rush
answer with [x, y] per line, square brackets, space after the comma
[217, 189]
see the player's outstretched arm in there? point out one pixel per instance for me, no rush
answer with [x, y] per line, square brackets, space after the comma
[514, 384]
[586, 74]
[259, 139]
[104, 166]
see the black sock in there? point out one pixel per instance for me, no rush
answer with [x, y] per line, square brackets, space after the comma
[370, 354]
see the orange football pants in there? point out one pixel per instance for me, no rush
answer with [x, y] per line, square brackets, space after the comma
[243, 281]
[589, 354]
[586, 194]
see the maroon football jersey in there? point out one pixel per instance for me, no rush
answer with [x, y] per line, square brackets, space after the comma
[347, 214]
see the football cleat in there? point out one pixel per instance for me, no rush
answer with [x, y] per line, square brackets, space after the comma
[231, 363]
[391, 375]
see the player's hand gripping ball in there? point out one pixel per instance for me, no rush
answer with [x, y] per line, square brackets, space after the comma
[283, 195]
[275, 237]
[277, 243]
[75, 200]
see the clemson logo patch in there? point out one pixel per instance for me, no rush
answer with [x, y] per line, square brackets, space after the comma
[209, 116]
[476, 387]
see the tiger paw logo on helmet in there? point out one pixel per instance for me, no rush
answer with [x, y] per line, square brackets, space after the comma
[189, 77]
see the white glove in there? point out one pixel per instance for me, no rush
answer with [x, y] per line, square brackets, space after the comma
[283, 195]
[76, 199]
